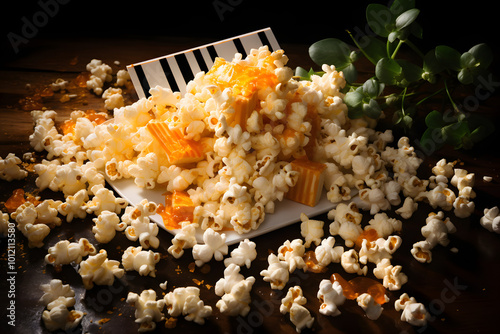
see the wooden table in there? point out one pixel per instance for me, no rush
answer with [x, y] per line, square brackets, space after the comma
[460, 289]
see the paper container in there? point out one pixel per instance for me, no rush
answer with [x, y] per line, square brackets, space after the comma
[174, 71]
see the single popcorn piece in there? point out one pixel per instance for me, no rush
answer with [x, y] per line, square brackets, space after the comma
[463, 207]
[346, 222]
[276, 273]
[293, 304]
[384, 225]
[437, 228]
[422, 251]
[372, 309]
[58, 298]
[244, 254]
[100, 73]
[311, 230]
[379, 249]
[142, 261]
[412, 312]
[214, 246]
[105, 200]
[185, 238]
[491, 219]
[59, 84]
[330, 296]
[392, 276]
[145, 231]
[113, 98]
[327, 253]
[106, 225]
[148, 310]
[74, 206]
[408, 208]
[25, 217]
[350, 262]
[65, 252]
[9, 168]
[444, 168]
[462, 178]
[47, 213]
[186, 301]
[97, 269]
[234, 291]
[4, 223]
[292, 252]
[122, 77]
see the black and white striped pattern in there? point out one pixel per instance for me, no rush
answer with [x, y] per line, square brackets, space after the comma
[174, 71]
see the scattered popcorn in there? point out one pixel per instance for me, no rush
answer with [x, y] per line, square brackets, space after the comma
[276, 273]
[392, 276]
[9, 168]
[145, 231]
[58, 85]
[444, 168]
[384, 225]
[408, 208]
[106, 225]
[234, 290]
[463, 206]
[144, 262]
[25, 217]
[372, 309]
[113, 98]
[214, 246]
[491, 219]
[350, 262]
[97, 269]
[186, 301]
[346, 222]
[64, 252]
[412, 312]
[311, 230]
[437, 228]
[293, 304]
[377, 250]
[122, 77]
[163, 285]
[4, 223]
[148, 310]
[105, 200]
[100, 73]
[421, 251]
[74, 206]
[330, 296]
[185, 238]
[487, 178]
[292, 252]
[244, 254]
[326, 253]
[58, 298]
[461, 179]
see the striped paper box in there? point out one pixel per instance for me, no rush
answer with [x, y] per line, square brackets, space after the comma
[174, 71]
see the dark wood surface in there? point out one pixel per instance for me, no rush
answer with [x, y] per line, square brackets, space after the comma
[460, 289]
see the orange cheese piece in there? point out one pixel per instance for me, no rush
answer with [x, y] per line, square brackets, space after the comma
[243, 108]
[178, 208]
[179, 150]
[309, 184]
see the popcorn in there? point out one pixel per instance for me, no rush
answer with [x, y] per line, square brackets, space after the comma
[215, 246]
[392, 276]
[463, 206]
[9, 168]
[148, 310]
[100, 73]
[412, 312]
[372, 199]
[244, 254]
[234, 290]
[25, 217]
[408, 208]
[277, 272]
[145, 171]
[441, 196]
[384, 225]
[122, 77]
[299, 315]
[113, 98]
[144, 231]
[437, 228]
[491, 219]
[47, 213]
[64, 252]
[144, 262]
[292, 253]
[74, 206]
[58, 298]
[104, 200]
[376, 251]
[68, 179]
[346, 222]
[59, 84]
[444, 168]
[106, 225]
[372, 309]
[141, 211]
[330, 296]
[350, 262]
[326, 253]
[97, 269]
[185, 238]
[421, 251]
[4, 223]
[186, 301]
[46, 171]
[311, 230]
[461, 179]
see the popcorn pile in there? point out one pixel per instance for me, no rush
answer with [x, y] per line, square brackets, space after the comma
[230, 144]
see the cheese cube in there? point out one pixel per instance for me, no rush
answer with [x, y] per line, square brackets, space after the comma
[309, 184]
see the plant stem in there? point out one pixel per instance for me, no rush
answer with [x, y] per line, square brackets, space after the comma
[455, 107]
[396, 50]
[414, 48]
[429, 96]
[361, 49]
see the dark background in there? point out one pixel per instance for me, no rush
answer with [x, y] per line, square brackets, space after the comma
[460, 25]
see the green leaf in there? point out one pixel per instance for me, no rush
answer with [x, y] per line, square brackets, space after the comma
[406, 18]
[354, 99]
[331, 51]
[465, 76]
[467, 59]
[431, 139]
[303, 74]
[379, 19]
[448, 57]
[434, 120]
[372, 88]
[372, 109]
[431, 63]
[453, 133]
[400, 6]
[350, 73]
[411, 72]
[387, 71]
[373, 48]
[483, 54]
